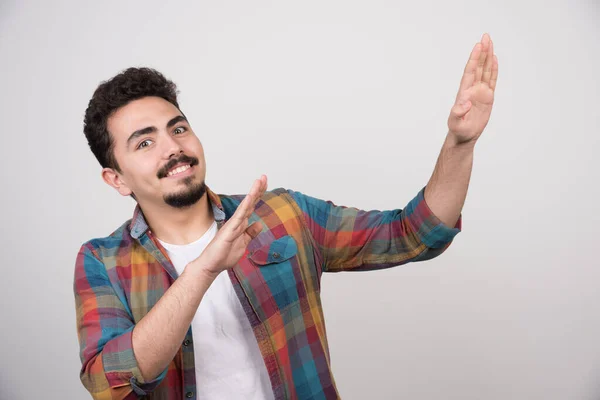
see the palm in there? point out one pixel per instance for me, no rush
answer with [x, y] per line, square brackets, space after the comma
[231, 247]
[473, 107]
[231, 241]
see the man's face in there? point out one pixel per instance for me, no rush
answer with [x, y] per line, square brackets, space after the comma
[161, 159]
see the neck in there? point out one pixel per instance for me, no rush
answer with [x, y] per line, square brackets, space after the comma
[179, 226]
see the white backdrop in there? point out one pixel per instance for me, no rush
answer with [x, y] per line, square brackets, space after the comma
[346, 101]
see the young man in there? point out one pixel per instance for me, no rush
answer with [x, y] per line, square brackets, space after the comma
[212, 296]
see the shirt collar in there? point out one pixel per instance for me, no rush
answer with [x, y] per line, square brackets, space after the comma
[139, 226]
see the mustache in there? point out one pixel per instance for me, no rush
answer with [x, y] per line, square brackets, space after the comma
[183, 159]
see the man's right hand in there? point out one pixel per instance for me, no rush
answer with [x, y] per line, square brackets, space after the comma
[231, 241]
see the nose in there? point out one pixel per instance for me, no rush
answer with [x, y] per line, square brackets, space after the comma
[171, 147]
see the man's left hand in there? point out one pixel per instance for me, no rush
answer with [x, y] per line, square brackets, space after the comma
[473, 107]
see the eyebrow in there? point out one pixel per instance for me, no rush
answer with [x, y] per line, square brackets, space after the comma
[152, 129]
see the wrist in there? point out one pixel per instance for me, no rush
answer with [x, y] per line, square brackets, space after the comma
[201, 271]
[453, 143]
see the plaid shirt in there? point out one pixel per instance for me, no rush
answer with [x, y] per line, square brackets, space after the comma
[119, 278]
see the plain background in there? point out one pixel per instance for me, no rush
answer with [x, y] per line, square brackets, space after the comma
[345, 101]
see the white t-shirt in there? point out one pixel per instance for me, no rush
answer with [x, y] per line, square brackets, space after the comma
[228, 362]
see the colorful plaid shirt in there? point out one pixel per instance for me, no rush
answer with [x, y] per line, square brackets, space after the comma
[119, 278]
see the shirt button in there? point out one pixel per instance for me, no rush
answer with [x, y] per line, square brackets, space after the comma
[275, 255]
[187, 342]
[189, 395]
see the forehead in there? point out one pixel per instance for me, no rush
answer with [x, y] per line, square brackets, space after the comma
[139, 114]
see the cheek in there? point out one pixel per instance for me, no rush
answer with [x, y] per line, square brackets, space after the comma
[144, 171]
[195, 143]
[195, 148]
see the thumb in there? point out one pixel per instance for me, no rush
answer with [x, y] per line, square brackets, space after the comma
[461, 108]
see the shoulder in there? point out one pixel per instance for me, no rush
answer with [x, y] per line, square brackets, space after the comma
[110, 245]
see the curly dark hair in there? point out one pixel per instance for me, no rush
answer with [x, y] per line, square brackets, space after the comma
[131, 84]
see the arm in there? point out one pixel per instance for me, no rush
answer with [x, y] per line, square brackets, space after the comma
[349, 239]
[119, 358]
[157, 337]
[352, 239]
[447, 188]
[124, 360]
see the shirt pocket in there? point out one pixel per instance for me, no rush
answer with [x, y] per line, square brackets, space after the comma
[278, 264]
[276, 251]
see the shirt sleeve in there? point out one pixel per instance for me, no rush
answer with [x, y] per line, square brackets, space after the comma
[104, 329]
[350, 239]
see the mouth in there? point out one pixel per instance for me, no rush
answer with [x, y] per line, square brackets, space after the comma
[178, 167]
[179, 170]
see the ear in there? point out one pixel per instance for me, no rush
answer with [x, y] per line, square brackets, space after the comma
[114, 179]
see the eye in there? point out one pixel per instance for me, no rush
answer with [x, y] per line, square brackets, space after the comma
[179, 129]
[141, 145]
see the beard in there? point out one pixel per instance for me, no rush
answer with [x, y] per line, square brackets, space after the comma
[188, 196]
[192, 191]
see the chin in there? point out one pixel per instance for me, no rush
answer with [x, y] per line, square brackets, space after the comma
[188, 196]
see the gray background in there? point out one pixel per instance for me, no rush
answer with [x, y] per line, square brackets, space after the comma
[346, 101]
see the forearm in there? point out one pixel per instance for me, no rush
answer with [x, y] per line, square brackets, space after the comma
[446, 190]
[158, 336]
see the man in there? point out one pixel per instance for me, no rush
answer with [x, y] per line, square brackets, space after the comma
[212, 296]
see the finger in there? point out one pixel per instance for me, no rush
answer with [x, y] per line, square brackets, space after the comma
[241, 213]
[254, 229]
[489, 62]
[469, 74]
[260, 191]
[494, 76]
[256, 195]
[264, 185]
[246, 207]
[239, 220]
[482, 57]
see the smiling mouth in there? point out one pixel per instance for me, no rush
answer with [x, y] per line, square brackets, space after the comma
[178, 170]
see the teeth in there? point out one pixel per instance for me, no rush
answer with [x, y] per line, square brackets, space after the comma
[178, 170]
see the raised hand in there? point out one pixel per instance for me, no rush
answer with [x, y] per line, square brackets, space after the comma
[473, 106]
[231, 241]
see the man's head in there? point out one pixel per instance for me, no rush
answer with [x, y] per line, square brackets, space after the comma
[143, 141]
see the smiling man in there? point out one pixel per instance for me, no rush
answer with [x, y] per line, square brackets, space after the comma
[209, 296]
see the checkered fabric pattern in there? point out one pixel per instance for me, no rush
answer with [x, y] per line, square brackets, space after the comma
[119, 278]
